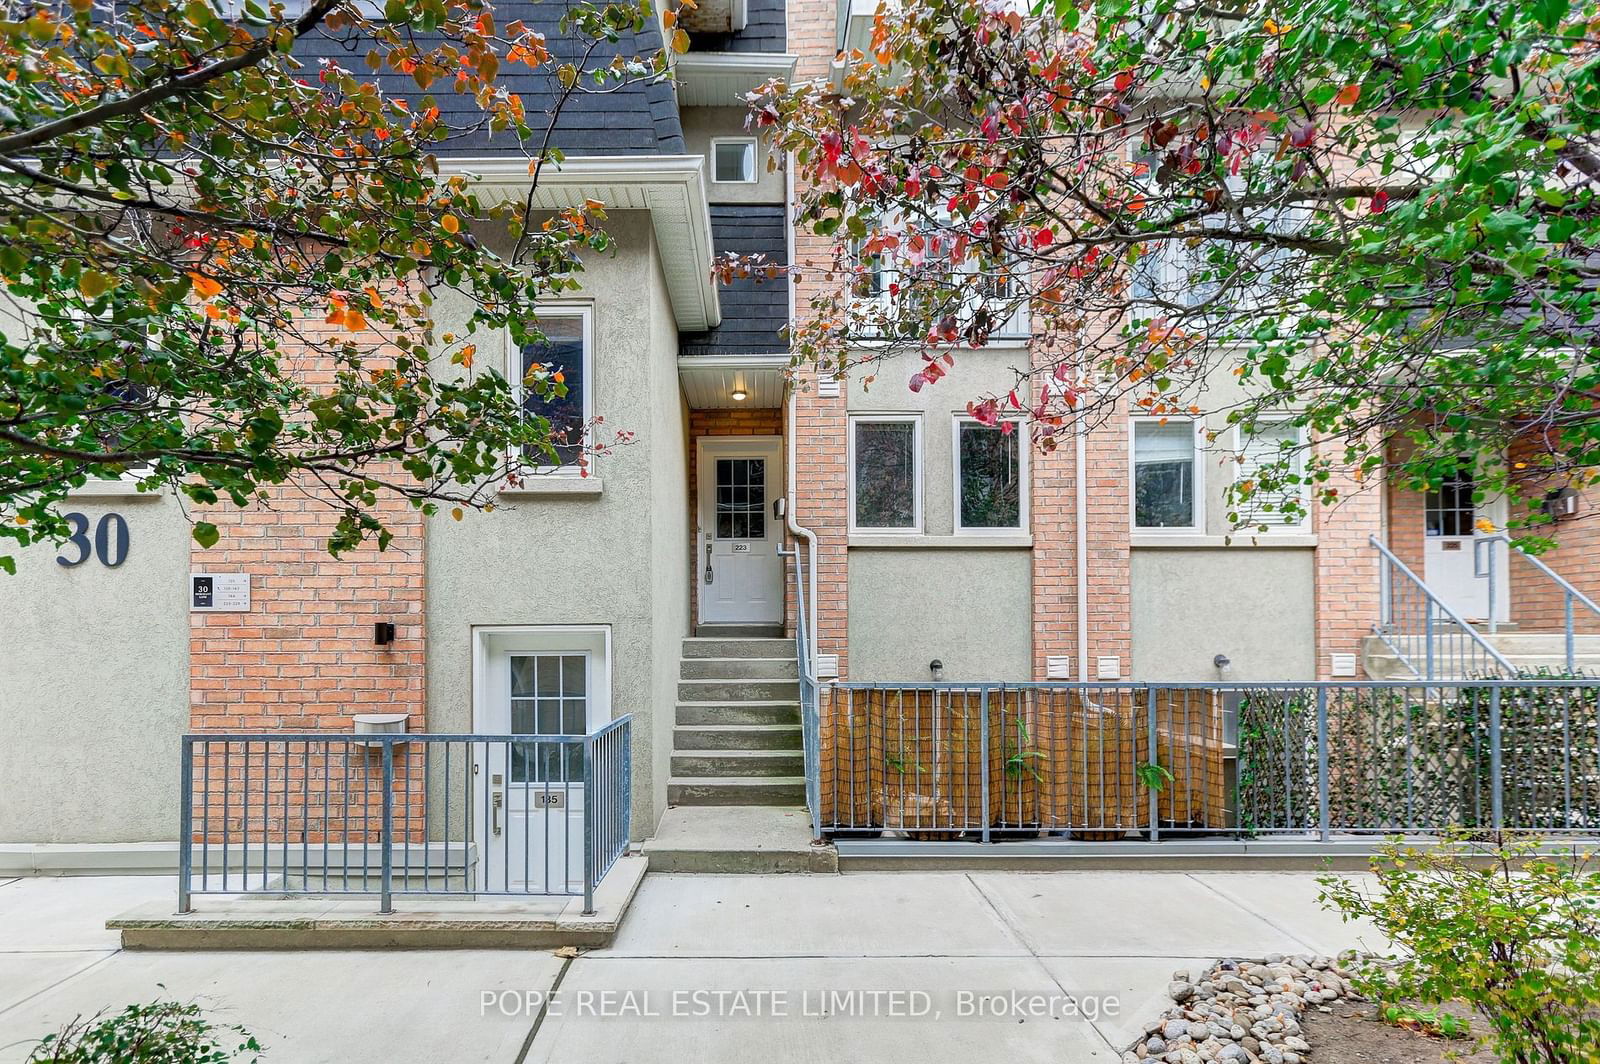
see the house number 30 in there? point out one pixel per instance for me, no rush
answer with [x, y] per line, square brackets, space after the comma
[110, 543]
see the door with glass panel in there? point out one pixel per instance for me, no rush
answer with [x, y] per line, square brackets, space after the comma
[737, 567]
[1450, 518]
[531, 821]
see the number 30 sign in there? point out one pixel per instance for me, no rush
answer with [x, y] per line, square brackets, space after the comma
[110, 541]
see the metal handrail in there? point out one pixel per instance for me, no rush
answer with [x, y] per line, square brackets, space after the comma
[810, 716]
[1433, 611]
[1570, 594]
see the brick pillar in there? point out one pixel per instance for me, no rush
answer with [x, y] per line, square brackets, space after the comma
[1347, 576]
[820, 424]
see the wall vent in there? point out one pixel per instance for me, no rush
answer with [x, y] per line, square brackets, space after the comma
[1058, 668]
[827, 666]
[1342, 664]
[1108, 668]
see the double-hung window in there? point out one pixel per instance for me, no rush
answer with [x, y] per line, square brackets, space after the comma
[991, 467]
[886, 473]
[565, 349]
[1166, 474]
[1278, 445]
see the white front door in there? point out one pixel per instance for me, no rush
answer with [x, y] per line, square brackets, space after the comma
[1450, 529]
[737, 566]
[529, 792]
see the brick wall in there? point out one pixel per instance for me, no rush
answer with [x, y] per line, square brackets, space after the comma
[820, 424]
[1537, 602]
[1346, 577]
[734, 422]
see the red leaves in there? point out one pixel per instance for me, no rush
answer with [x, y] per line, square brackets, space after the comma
[1304, 136]
[999, 181]
[1043, 238]
[985, 413]
[1379, 202]
[1348, 95]
[1124, 81]
[913, 184]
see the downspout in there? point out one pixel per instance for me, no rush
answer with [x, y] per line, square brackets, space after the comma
[1081, 489]
[795, 529]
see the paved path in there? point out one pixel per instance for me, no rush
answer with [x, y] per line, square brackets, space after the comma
[710, 968]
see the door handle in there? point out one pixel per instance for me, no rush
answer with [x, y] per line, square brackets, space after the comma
[708, 561]
[494, 811]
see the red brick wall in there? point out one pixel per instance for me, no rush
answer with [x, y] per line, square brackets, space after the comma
[820, 424]
[1346, 577]
[1537, 602]
[734, 422]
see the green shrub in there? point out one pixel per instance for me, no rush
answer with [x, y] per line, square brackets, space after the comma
[161, 1032]
[1492, 924]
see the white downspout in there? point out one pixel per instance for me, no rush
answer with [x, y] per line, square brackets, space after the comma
[795, 529]
[1081, 490]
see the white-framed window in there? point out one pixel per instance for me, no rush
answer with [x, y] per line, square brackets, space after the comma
[1273, 440]
[549, 695]
[885, 461]
[733, 160]
[567, 348]
[991, 476]
[1167, 476]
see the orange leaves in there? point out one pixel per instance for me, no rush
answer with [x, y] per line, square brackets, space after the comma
[205, 286]
[450, 224]
[1348, 95]
[342, 314]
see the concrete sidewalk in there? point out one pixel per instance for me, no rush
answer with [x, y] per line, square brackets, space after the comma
[1085, 939]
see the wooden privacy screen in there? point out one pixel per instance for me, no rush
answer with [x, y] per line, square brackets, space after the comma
[915, 760]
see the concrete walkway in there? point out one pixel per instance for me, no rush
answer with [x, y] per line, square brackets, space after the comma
[711, 968]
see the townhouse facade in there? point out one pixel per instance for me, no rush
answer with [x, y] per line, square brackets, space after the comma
[929, 546]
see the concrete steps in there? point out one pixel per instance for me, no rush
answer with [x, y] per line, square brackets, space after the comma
[1531, 652]
[737, 739]
[732, 840]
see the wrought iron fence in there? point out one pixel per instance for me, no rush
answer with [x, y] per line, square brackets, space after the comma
[326, 814]
[1104, 761]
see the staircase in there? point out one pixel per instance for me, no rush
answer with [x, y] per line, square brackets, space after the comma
[1534, 653]
[737, 737]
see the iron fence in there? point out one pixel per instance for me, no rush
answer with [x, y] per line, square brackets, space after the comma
[325, 814]
[1105, 761]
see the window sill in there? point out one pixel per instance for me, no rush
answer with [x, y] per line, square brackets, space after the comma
[115, 489]
[1242, 540]
[924, 542]
[535, 486]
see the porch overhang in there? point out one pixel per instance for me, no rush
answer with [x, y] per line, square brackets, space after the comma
[710, 382]
[671, 187]
[721, 79]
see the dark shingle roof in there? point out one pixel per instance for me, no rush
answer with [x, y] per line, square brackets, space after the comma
[765, 30]
[641, 118]
[752, 312]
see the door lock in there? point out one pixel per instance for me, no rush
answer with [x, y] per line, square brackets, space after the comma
[494, 811]
[708, 561]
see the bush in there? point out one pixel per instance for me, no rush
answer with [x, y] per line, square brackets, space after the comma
[162, 1032]
[1491, 923]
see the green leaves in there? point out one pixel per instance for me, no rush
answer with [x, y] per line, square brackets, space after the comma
[205, 533]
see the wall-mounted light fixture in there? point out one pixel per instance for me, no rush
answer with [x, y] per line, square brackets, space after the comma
[936, 667]
[383, 633]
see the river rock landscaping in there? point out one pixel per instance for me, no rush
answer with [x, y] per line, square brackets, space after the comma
[1241, 1010]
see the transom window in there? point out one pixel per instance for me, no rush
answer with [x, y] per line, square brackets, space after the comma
[733, 160]
[886, 473]
[741, 498]
[1166, 475]
[991, 468]
[564, 349]
[549, 696]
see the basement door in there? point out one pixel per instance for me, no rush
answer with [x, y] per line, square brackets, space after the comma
[737, 567]
[529, 790]
[1450, 520]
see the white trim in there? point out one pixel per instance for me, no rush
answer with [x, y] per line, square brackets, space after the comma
[671, 187]
[750, 144]
[1199, 517]
[1023, 483]
[513, 372]
[915, 419]
[1154, 537]
[591, 639]
[1304, 489]
[1000, 540]
[553, 484]
[124, 488]
[711, 447]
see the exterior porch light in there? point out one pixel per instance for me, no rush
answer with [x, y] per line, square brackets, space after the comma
[739, 395]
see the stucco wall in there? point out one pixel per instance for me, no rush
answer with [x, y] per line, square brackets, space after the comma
[94, 684]
[700, 124]
[586, 558]
[968, 608]
[1253, 604]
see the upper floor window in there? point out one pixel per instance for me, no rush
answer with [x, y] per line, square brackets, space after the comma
[1166, 474]
[1278, 444]
[565, 349]
[991, 477]
[886, 473]
[733, 160]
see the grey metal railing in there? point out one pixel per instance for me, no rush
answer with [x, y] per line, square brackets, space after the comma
[1428, 637]
[318, 813]
[809, 722]
[1486, 564]
[984, 762]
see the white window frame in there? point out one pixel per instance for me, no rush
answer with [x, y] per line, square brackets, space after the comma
[513, 366]
[900, 417]
[1199, 518]
[1023, 481]
[750, 143]
[1304, 490]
